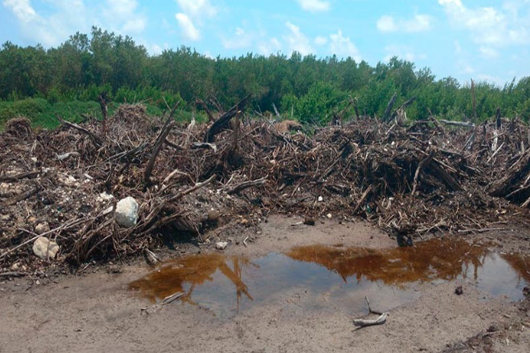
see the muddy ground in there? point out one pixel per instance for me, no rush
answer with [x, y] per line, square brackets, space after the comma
[95, 311]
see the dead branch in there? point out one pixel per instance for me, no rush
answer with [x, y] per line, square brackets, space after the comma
[246, 184]
[95, 140]
[386, 115]
[223, 121]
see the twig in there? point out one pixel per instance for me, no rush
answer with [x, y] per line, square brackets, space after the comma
[361, 200]
[197, 145]
[171, 298]
[23, 196]
[424, 163]
[95, 139]
[161, 138]
[19, 176]
[370, 308]
[12, 274]
[363, 322]
[246, 184]
[19, 246]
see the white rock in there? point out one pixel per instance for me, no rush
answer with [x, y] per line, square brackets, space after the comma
[42, 228]
[329, 215]
[45, 248]
[320, 199]
[105, 197]
[127, 212]
[221, 245]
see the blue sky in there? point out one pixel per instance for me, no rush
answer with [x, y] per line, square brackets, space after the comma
[483, 40]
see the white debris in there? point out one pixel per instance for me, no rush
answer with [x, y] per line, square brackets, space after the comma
[45, 248]
[329, 215]
[320, 199]
[105, 197]
[127, 212]
[221, 245]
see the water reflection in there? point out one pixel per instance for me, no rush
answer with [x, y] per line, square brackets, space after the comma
[343, 274]
[430, 260]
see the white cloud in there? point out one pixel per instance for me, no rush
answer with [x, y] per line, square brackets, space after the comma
[197, 8]
[419, 23]
[271, 46]
[192, 15]
[188, 28]
[65, 17]
[296, 40]
[314, 5]
[403, 52]
[490, 25]
[22, 10]
[342, 46]
[462, 62]
[491, 79]
[53, 29]
[488, 52]
[320, 40]
[122, 13]
[241, 39]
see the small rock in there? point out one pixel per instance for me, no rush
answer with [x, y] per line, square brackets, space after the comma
[45, 248]
[221, 245]
[459, 290]
[42, 228]
[494, 328]
[127, 212]
[329, 215]
[213, 216]
[309, 221]
[105, 197]
[320, 199]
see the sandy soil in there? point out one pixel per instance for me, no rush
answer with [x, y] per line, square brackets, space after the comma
[95, 312]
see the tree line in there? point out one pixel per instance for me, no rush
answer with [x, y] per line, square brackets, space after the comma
[307, 88]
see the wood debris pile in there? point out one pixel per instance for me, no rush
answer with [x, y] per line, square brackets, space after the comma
[409, 179]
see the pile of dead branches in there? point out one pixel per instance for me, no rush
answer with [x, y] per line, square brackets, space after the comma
[409, 179]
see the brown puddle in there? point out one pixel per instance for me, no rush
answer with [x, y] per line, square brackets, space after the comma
[332, 278]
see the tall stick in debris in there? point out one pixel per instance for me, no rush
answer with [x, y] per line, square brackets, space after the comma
[158, 144]
[223, 121]
[388, 110]
[474, 100]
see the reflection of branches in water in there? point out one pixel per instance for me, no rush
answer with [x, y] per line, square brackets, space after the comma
[235, 277]
[430, 260]
[520, 264]
[192, 270]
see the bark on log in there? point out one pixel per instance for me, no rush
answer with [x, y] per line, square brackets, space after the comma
[223, 121]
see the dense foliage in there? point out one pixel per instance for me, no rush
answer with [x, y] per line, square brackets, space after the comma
[304, 87]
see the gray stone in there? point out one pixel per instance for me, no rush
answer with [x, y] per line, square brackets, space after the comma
[42, 228]
[127, 212]
[45, 248]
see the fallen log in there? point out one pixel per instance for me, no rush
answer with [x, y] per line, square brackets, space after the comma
[457, 123]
